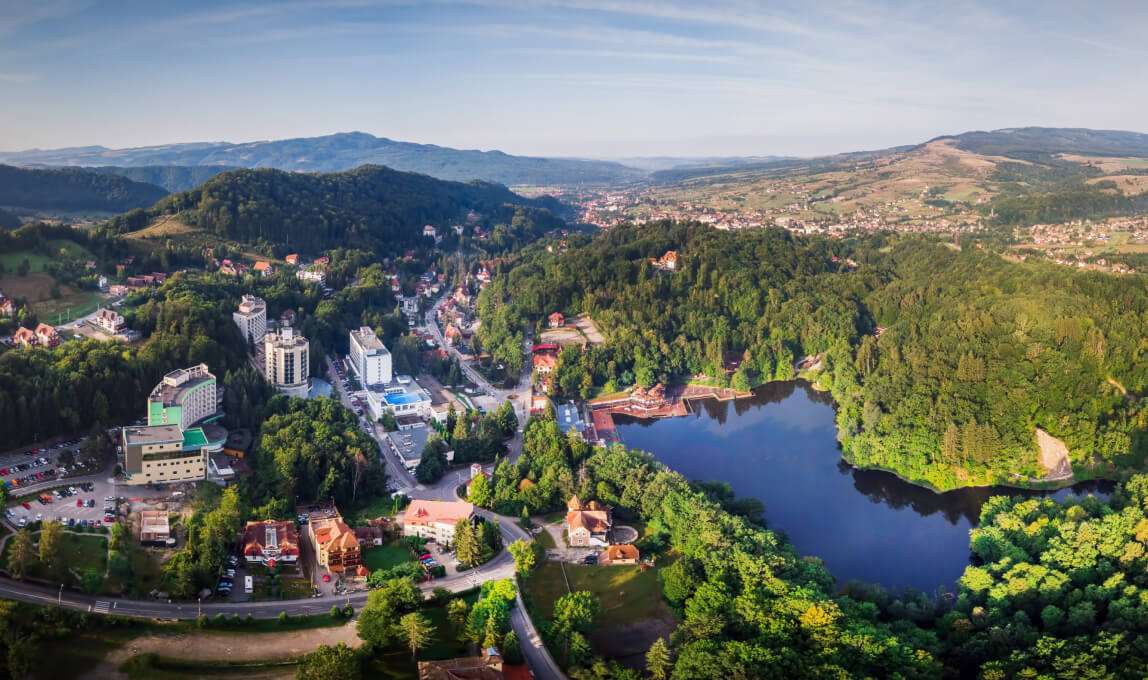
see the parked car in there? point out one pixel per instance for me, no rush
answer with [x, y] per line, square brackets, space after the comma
[26, 506]
[591, 559]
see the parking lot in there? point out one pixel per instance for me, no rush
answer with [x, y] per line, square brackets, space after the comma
[69, 505]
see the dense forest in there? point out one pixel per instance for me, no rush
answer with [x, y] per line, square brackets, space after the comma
[8, 220]
[72, 189]
[1055, 591]
[171, 177]
[974, 352]
[372, 207]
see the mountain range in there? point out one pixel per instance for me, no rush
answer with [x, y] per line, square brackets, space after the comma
[343, 151]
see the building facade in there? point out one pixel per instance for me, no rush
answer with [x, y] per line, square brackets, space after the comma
[184, 397]
[335, 544]
[159, 454]
[251, 318]
[175, 443]
[286, 360]
[370, 359]
[111, 321]
[435, 520]
[270, 540]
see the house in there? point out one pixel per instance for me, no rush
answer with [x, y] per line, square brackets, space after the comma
[556, 320]
[154, 528]
[622, 554]
[264, 268]
[25, 337]
[654, 397]
[485, 667]
[323, 260]
[435, 520]
[372, 534]
[545, 362]
[429, 231]
[667, 262]
[335, 544]
[590, 524]
[102, 283]
[7, 307]
[270, 542]
[293, 258]
[110, 320]
[288, 317]
[46, 336]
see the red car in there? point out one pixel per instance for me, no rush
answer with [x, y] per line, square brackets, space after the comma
[26, 506]
[79, 503]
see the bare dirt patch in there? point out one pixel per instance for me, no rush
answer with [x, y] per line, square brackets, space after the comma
[226, 647]
[1053, 456]
[562, 336]
[588, 328]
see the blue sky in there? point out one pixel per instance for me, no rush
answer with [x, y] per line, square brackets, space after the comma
[594, 78]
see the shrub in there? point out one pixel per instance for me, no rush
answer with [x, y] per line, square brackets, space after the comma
[201, 621]
[348, 610]
[220, 620]
[336, 612]
[250, 620]
[283, 618]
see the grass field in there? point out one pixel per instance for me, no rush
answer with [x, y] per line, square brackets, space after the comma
[78, 551]
[628, 594]
[387, 556]
[37, 285]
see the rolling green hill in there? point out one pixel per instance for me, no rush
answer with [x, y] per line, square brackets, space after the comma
[171, 177]
[372, 207]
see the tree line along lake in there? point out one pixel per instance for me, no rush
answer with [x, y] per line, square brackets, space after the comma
[780, 446]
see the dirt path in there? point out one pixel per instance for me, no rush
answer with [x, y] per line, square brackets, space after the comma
[225, 647]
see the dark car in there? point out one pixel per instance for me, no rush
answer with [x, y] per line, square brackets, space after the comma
[591, 559]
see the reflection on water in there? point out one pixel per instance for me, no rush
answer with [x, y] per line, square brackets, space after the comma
[780, 446]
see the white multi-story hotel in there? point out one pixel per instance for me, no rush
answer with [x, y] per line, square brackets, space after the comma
[251, 318]
[370, 359]
[286, 357]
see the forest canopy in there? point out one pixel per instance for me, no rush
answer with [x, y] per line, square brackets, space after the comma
[974, 353]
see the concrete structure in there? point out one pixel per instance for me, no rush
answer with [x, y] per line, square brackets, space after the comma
[286, 360]
[569, 418]
[221, 467]
[174, 445]
[184, 398]
[159, 454]
[403, 397]
[270, 540]
[369, 358]
[154, 528]
[408, 445]
[251, 318]
[435, 520]
[315, 276]
[111, 321]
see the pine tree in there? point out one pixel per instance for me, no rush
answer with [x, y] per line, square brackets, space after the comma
[658, 659]
[21, 554]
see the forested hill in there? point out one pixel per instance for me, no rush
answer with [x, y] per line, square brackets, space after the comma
[369, 207]
[345, 151]
[68, 189]
[976, 351]
[171, 177]
[8, 220]
[1041, 141]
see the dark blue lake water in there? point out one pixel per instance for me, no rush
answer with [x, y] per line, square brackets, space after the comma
[780, 446]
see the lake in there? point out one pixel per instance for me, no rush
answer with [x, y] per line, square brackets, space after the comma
[780, 446]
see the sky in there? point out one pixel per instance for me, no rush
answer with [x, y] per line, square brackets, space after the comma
[585, 78]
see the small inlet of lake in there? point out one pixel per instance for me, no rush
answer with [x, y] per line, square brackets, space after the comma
[780, 446]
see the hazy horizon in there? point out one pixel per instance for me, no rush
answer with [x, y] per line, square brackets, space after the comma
[571, 78]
